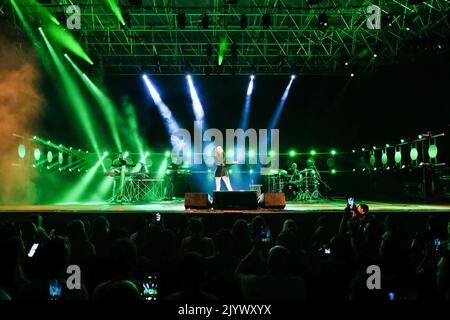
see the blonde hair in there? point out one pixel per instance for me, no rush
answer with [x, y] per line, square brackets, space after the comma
[218, 150]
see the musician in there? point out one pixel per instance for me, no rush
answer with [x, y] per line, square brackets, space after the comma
[221, 170]
[294, 172]
[120, 161]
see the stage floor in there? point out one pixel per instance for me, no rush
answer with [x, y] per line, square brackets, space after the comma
[177, 206]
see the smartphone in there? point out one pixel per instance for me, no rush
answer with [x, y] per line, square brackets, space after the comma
[437, 243]
[33, 250]
[351, 202]
[150, 288]
[55, 287]
[265, 235]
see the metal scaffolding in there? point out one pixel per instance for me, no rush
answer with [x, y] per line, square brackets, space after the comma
[263, 36]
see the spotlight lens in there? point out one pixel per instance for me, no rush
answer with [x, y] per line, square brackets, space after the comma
[252, 77]
[293, 76]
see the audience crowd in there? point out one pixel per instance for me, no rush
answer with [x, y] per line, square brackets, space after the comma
[239, 262]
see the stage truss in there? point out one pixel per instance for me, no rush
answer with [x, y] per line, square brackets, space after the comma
[153, 41]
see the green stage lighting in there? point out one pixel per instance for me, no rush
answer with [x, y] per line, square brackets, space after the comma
[126, 154]
[222, 49]
[292, 153]
[37, 154]
[333, 152]
[251, 153]
[333, 171]
[313, 152]
[167, 154]
[21, 151]
[251, 171]
[271, 153]
[115, 8]
[231, 171]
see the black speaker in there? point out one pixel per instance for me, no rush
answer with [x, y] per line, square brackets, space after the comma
[196, 201]
[235, 200]
[272, 200]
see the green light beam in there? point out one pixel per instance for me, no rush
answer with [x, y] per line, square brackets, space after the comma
[162, 168]
[76, 99]
[75, 193]
[115, 8]
[107, 106]
[222, 49]
[133, 128]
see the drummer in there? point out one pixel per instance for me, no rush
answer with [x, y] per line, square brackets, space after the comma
[294, 172]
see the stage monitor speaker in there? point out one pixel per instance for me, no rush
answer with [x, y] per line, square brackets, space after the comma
[235, 200]
[272, 200]
[196, 201]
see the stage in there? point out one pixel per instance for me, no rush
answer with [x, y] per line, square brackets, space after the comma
[177, 206]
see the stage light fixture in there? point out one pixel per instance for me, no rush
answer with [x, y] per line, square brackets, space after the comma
[243, 21]
[333, 171]
[266, 21]
[205, 21]
[292, 153]
[37, 154]
[292, 76]
[167, 154]
[333, 152]
[251, 171]
[322, 20]
[21, 151]
[352, 75]
[313, 152]
[252, 77]
[181, 20]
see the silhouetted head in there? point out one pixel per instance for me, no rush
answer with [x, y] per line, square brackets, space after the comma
[288, 240]
[76, 231]
[279, 260]
[123, 290]
[240, 230]
[196, 226]
[123, 258]
[290, 225]
[258, 223]
[100, 226]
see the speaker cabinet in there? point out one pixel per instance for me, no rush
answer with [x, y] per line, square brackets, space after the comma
[272, 200]
[196, 201]
[235, 200]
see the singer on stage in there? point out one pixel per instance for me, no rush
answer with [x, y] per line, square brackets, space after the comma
[221, 170]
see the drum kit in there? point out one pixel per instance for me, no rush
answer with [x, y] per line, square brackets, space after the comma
[298, 186]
